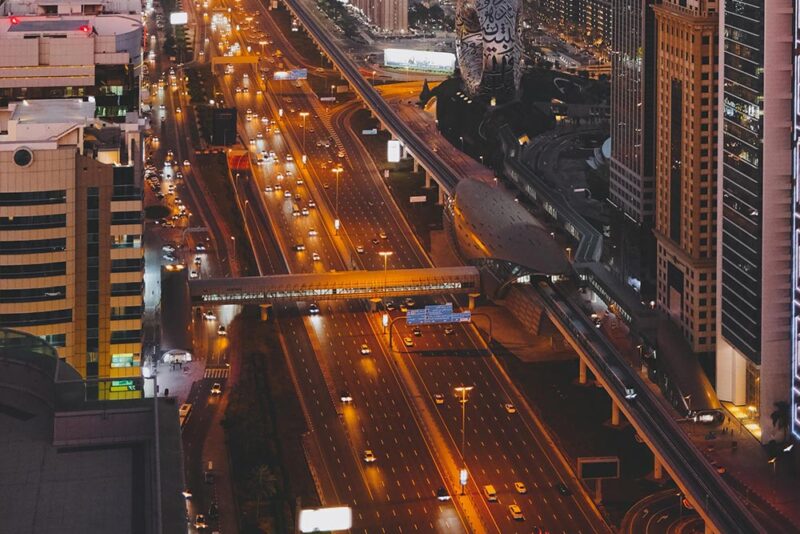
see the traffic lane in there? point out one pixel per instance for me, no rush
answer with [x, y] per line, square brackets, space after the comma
[493, 450]
[378, 418]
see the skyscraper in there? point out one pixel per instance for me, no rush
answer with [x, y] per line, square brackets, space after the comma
[686, 126]
[757, 247]
[631, 186]
[71, 234]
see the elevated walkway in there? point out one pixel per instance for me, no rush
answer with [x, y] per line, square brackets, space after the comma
[335, 286]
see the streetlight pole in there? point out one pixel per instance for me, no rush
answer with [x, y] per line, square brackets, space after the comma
[336, 223]
[463, 390]
[385, 254]
[304, 114]
[233, 238]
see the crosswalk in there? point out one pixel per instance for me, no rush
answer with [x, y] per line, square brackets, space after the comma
[217, 372]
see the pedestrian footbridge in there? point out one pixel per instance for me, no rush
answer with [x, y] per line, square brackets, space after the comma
[335, 286]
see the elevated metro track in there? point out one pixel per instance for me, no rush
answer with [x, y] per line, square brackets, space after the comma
[335, 286]
[444, 175]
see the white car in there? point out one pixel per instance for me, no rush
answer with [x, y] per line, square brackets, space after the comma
[345, 397]
[289, 157]
[313, 309]
[304, 212]
[315, 256]
[208, 315]
[360, 249]
[222, 331]
[279, 177]
[216, 389]
[312, 233]
[187, 163]
[510, 408]
[369, 456]
[193, 274]
[365, 349]
[168, 248]
[287, 194]
[268, 189]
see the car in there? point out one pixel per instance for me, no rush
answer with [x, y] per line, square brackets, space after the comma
[304, 212]
[630, 393]
[449, 330]
[213, 510]
[365, 349]
[417, 332]
[221, 330]
[325, 185]
[187, 163]
[510, 408]
[216, 389]
[279, 176]
[299, 247]
[259, 135]
[297, 197]
[193, 274]
[383, 235]
[408, 342]
[403, 308]
[312, 232]
[170, 258]
[155, 139]
[278, 187]
[199, 247]
[268, 189]
[340, 153]
[563, 489]
[178, 109]
[198, 260]
[185, 409]
[516, 512]
[312, 204]
[520, 487]
[442, 494]
[287, 194]
[200, 521]
[345, 397]
[375, 241]
[315, 256]
[208, 315]
[360, 249]
[168, 248]
[369, 456]
[299, 181]
[438, 398]
[162, 107]
[390, 306]
[313, 308]
[289, 157]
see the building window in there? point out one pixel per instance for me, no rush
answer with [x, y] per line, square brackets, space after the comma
[126, 241]
[33, 198]
[34, 222]
[35, 246]
[126, 289]
[35, 270]
[126, 217]
[126, 336]
[130, 265]
[35, 318]
[37, 294]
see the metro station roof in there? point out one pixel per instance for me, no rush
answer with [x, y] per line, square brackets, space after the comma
[499, 228]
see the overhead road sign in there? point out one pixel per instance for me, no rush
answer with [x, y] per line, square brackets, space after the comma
[294, 74]
[437, 314]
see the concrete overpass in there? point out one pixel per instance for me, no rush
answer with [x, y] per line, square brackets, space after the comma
[335, 286]
[714, 500]
[414, 145]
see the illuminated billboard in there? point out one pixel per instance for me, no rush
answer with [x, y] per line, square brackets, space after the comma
[326, 519]
[178, 18]
[393, 151]
[294, 74]
[440, 62]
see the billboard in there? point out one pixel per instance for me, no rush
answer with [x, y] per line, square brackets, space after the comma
[325, 519]
[294, 74]
[598, 467]
[441, 62]
[178, 18]
[393, 151]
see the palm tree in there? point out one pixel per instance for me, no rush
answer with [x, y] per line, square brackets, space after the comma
[780, 417]
[266, 485]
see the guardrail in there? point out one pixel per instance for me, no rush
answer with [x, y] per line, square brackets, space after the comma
[447, 177]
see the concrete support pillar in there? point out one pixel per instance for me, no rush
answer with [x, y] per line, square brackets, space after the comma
[581, 371]
[614, 413]
[442, 196]
[405, 153]
[710, 529]
[472, 298]
[427, 175]
[658, 469]
[373, 304]
[416, 169]
[264, 311]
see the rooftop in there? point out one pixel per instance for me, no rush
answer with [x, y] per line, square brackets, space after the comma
[53, 111]
[99, 25]
[51, 25]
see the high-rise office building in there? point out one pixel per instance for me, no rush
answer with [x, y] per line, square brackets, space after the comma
[686, 124]
[71, 256]
[631, 181]
[389, 16]
[757, 247]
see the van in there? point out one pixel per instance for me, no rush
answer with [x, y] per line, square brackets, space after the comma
[490, 493]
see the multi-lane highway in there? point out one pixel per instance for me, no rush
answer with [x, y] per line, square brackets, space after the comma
[414, 457]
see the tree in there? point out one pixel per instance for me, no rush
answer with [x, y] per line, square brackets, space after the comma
[780, 417]
[266, 485]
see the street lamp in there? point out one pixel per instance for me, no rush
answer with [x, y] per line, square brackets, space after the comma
[337, 171]
[569, 253]
[333, 88]
[461, 138]
[304, 114]
[463, 390]
[233, 238]
[385, 254]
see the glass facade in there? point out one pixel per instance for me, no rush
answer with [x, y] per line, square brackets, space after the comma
[742, 176]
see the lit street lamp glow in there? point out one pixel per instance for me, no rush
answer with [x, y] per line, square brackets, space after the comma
[462, 391]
